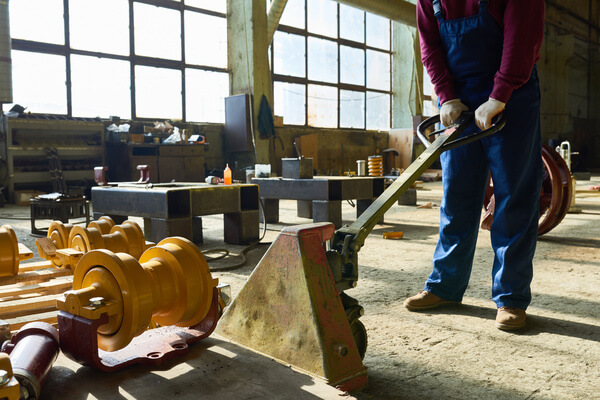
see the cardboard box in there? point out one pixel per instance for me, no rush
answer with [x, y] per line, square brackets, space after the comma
[23, 197]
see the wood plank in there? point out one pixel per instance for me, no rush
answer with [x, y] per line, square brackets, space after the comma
[54, 286]
[34, 266]
[36, 276]
[25, 306]
[17, 323]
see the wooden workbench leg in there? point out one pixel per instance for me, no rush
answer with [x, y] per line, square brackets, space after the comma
[328, 211]
[305, 209]
[362, 205]
[271, 208]
[241, 227]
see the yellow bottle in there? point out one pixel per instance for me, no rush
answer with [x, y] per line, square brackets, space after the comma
[227, 175]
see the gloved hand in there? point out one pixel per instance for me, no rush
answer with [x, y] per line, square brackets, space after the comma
[451, 110]
[487, 111]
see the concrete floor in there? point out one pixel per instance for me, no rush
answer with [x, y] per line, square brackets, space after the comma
[453, 353]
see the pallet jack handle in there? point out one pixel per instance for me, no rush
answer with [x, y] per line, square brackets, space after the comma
[348, 240]
[465, 119]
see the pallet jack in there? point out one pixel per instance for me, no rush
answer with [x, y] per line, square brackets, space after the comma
[294, 308]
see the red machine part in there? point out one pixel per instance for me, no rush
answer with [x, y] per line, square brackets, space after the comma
[555, 197]
[79, 340]
[32, 350]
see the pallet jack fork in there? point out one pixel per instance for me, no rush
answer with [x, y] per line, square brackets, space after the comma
[293, 307]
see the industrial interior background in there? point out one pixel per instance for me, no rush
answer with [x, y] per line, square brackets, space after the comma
[263, 49]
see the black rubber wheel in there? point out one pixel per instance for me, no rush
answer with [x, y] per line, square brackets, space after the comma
[360, 337]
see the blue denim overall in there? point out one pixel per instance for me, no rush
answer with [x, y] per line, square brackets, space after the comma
[473, 49]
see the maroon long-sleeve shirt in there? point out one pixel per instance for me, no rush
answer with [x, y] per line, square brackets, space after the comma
[522, 22]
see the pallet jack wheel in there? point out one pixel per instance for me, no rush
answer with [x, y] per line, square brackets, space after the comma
[359, 332]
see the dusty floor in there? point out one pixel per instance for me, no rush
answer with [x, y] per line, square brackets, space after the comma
[457, 353]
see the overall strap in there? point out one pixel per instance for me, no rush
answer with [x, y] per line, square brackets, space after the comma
[437, 9]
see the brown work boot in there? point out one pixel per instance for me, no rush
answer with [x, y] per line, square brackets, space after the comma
[510, 318]
[426, 301]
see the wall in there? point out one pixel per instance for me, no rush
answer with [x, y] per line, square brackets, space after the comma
[568, 69]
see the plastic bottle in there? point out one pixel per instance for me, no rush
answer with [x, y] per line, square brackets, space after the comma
[227, 175]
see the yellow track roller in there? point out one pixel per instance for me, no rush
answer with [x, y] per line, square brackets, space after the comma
[126, 238]
[171, 285]
[11, 252]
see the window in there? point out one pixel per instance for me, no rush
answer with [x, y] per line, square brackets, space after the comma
[332, 66]
[132, 58]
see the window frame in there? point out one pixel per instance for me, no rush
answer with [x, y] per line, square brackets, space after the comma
[339, 85]
[133, 59]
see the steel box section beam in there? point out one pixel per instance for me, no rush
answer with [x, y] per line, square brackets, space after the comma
[223, 199]
[320, 188]
[296, 189]
[155, 203]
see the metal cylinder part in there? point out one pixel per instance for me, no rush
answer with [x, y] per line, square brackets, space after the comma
[33, 350]
[6, 95]
[361, 168]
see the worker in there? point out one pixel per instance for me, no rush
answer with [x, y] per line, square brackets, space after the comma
[481, 56]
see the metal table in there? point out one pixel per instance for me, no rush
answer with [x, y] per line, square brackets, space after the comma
[319, 198]
[175, 209]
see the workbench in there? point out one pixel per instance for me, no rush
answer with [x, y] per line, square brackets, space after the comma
[319, 198]
[213, 369]
[175, 209]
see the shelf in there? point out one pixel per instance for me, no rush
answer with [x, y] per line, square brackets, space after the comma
[41, 176]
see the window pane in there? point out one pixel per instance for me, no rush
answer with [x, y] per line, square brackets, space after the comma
[157, 92]
[378, 111]
[352, 23]
[378, 70]
[41, 90]
[427, 86]
[428, 108]
[352, 109]
[352, 65]
[322, 106]
[289, 54]
[100, 87]
[38, 20]
[378, 31]
[100, 26]
[205, 93]
[322, 60]
[205, 40]
[213, 5]
[157, 32]
[322, 17]
[293, 14]
[290, 102]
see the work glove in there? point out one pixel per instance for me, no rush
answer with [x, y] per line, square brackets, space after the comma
[451, 110]
[487, 111]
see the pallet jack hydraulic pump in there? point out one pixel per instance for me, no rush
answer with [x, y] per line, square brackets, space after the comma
[294, 307]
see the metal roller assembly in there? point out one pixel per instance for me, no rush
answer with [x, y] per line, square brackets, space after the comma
[59, 234]
[33, 350]
[125, 238]
[65, 244]
[555, 196]
[11, 252]
[115, 297]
